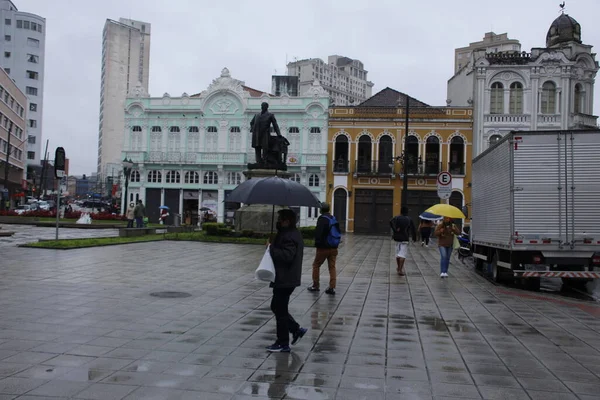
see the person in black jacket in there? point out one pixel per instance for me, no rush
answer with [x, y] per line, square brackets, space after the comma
[287, 250]
[403, 229]
[324, 252]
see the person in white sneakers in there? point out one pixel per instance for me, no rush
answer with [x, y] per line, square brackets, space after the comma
[403, 229]
[445, 232]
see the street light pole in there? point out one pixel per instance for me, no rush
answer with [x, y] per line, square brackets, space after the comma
[404, 199]
[127, 164]
[7, 169]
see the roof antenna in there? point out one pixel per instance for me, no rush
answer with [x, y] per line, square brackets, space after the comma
[562, 7]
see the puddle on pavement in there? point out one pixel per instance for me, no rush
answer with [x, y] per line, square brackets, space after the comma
[119, 378]
[366, 386]
[174, 332]
[297, 392]
[439, 325]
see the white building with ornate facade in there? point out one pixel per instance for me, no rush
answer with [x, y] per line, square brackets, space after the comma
[189, 152]
[548, 88]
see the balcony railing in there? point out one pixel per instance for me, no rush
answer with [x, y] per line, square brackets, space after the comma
[507, 118]
[456, 168]
[314, 159]
[549, 119]
[341, 166]
[422, 169]
[374, 167]
[178, 157]
[585, 120]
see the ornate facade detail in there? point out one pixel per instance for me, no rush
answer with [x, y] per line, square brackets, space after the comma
[138, 91]
[316, 90]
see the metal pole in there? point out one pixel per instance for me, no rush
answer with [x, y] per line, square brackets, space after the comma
[43, 177]
[124, 200]
[404, 199]
[7, 168]
[57, 208]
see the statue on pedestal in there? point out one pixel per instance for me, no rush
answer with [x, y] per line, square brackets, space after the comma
[270, 151]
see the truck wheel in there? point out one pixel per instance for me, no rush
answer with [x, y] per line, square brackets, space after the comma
[497, 273]
[532, 284]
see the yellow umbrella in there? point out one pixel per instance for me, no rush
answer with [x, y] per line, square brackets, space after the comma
[446, 210]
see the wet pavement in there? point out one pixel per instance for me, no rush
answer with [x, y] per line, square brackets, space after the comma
[82, 324]
[29, 233]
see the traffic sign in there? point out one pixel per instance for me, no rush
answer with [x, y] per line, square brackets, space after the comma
[59, 162]
[444, 192]
[444, 179]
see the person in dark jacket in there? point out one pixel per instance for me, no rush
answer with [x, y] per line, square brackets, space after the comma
[324, 252]
[402, 226]
[287, 250]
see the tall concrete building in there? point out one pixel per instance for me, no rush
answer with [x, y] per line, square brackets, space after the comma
[492, 43]
[343, 78]
[22, 48]
[125, 63]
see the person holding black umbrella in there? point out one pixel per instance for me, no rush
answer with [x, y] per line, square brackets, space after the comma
[287, 251]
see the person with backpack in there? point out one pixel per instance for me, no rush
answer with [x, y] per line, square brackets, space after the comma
[403, 229]
[327, 240]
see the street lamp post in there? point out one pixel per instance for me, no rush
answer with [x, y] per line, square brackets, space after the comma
[127, 164]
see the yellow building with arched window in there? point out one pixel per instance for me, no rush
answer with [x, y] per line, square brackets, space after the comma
[364, 166]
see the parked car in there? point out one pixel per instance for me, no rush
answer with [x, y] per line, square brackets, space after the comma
[44, 205]
[22, 209]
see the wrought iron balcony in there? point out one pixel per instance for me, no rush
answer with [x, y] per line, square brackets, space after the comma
[456, 168]
[341, 166]
[179, 157]
[374, 167]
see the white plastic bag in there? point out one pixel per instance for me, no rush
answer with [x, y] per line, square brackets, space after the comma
[266, 268]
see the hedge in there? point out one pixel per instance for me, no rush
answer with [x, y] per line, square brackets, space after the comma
[308, 232]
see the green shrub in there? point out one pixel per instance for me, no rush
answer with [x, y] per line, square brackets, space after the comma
[224, 231]
[212, 228]
[308, 232]
[247, 233]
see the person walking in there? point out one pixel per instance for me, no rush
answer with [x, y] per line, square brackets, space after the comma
[445, 232]
[139, 212]
[403, 229]
[327, 240]
[287, 250]
[130, 215]
[425, 228]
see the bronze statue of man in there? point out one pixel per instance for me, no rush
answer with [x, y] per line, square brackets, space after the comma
[261, 131]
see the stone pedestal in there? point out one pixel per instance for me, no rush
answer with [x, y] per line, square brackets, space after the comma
[258, 217]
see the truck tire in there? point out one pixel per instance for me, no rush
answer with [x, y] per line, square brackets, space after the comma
[532, 284]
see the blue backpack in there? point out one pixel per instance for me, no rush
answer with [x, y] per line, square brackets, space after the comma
[334, 236]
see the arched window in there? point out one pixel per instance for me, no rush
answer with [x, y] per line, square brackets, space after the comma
[432, 155]
[412, 155]
[193, 129]
[364, 154]
[385, 162]
[235, 129]
[294, 129]
[294, 139]
[173, 177]
[212, 129]
[516, 98]
[315, 129]
[340, 154]
[192, 177]
[295, 178]
[457, 156]
[136, 128]
[234, 178]
[579, 99]
[497, 99]
[134, 177]
[548, 103]
[313, 180]
[174, 129]
[494, 139]
[156, 129]
[211, 178]
[154, 177]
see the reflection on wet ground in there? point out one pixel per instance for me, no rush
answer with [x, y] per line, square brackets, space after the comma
[82, 324]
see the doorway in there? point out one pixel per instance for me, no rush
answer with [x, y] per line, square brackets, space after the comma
[340, 197]
[385, 161]
[373, 210]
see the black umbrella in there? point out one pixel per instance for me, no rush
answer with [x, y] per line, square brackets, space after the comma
[273, 190]
[205, 209]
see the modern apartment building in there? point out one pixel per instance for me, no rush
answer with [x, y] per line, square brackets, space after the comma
[13, 141]
[22, 48]
[125, 62]
[343, 78]
[492, 43]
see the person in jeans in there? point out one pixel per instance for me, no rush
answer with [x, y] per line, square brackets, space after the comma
[425, 228]
[445, 232]
[286, 250]
[324, 252]
[139, 212]
[130, 215]
[403, 229]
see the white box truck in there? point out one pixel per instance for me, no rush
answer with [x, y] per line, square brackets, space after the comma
[536, 206]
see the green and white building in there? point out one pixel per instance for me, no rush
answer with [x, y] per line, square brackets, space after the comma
[189, 152]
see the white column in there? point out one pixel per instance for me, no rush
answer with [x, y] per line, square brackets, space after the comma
[221, 206]
[506, 100]
[162, 196]
[223, 136]
[181, 206]
[534, 103]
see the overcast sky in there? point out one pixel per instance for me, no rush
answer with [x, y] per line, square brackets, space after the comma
[408, 46]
